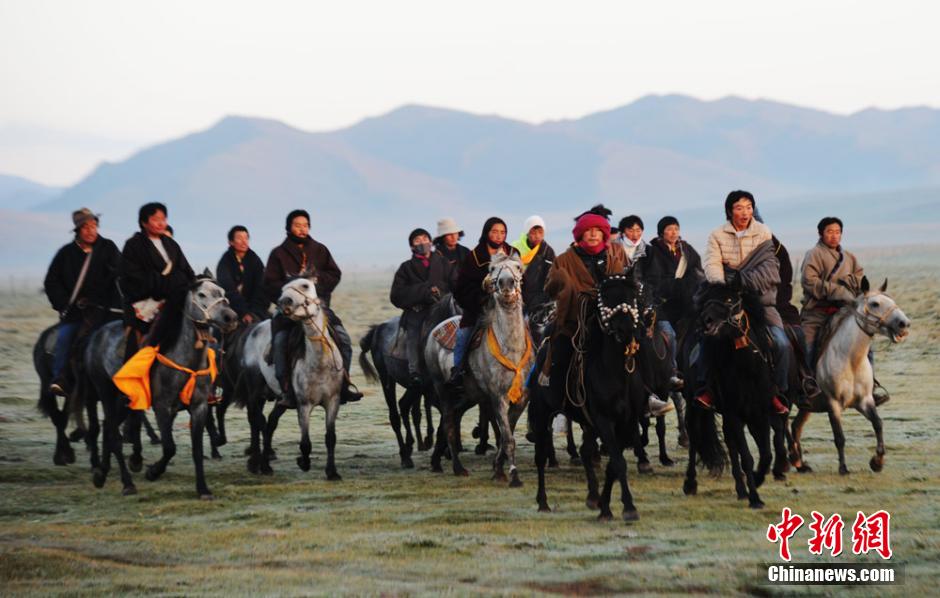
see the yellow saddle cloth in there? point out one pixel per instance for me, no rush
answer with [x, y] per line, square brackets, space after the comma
[133, 379]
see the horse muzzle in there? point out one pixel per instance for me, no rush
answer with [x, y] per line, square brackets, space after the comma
[900, 331]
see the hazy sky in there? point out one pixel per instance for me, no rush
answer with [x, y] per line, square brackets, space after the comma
[92, 80]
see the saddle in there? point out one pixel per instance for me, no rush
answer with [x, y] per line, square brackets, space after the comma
[399, 349]
[446, 334]
[827, 330]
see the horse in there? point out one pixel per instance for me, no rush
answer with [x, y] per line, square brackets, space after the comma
[390, 370]
[205, 305]
[602, 392]
[738, 359]
[496, 371]
[844, 372]
[316, 376]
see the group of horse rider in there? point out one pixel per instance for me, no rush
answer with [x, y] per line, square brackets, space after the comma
[148, 280]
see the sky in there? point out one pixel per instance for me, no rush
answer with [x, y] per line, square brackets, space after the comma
[82, 82]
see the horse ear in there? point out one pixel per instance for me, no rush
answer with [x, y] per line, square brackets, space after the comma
[865, 286]
[884, 286]
[207, 273]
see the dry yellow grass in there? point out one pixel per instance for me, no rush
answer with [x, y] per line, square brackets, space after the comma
[384, 530]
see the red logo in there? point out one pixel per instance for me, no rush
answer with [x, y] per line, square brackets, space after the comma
[783, 531]
[872, 533]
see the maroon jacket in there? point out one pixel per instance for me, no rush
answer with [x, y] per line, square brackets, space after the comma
[289, 259]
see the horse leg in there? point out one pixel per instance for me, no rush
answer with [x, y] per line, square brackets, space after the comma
[253, 411]
[118, 450]
[165, 417]
[760, 432]
[440, 445]
[747, 465]
[779, 425]
[394, 420]
[608, 438]
[303, 419]
[220, 409]
[871, 413]
[132, 425]
[543, 438]
[483, 431]
[729, 423]
[679, 401]
[550, 451]
[415, 409]
[99, 471]
[404, 406]
[151, 433]
[94, 428]
[332, 409]
[60, 419]
[690, 485]
[639, 450]
[450, 421]
[508, 445]
[661, 435]
[269, 428]
[588, 448]
[835, 420]
[571, 447]
[430, 435]
[198, 416]
[213, 433]
[796, 449]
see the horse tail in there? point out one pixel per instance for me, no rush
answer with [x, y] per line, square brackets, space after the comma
[48, 404]
[703, 435]
[365, 345]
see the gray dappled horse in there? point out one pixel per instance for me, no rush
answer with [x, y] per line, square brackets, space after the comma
[316, 376]
[390, 371]
[844, 373]
[205, 306]
[495, 371]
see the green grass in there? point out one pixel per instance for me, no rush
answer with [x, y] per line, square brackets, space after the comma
[382, 530]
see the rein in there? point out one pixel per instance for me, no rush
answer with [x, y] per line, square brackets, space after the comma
[865, 317]
[320, 337]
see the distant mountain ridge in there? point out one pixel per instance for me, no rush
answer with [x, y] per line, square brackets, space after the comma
[367, 185]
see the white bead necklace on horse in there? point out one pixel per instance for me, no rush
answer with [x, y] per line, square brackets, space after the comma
[496, 371]
[844, 372]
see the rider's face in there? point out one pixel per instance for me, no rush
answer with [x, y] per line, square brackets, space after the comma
[299, 226]
[593, 237]
[536, 234]
[155, 226]
[450, 240]
[741, 213]
[497, 234]
[671, 234]
[239, 242]
[634, 233]
[832, 235]
[88, 233]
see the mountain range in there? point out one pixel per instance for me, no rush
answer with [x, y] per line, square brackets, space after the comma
[368, 185]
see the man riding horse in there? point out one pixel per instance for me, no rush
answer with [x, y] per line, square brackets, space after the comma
[298, 254]
[537, 257]
[241, 273]
[418, 284]
[827, 267]
[743, 248]
[81, 286]
[447, 242]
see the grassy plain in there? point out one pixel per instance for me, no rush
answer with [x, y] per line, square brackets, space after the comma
[382, 530]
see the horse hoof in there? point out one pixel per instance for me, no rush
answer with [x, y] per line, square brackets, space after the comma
[151, 474]
[575, 461]
[216, 455]
[756, 504]
[247, 451]
[135, 463]
[333, 476]
[843, 470]
[758, 479]
[77, 435]
[780, 477]
[69, 454]
[270, 455]
[207, 496]
[155, 440]
[436, 468]
[876, 464]
[58, 458]
[804, 468]
[407, 463]
[222, 441]
[98, 477]
[553, 463]
[666, 461]
[630, 515]
[252, 466]
[644, 467]
[690, 487]
[303, 463]
[605, 517]
[544, 509]
[462, 472]
[515, 482]
[684, 441]
[500, 476]
[786, 466]
[593, 503]
[481, 449]
[129, 490]
[742, 495]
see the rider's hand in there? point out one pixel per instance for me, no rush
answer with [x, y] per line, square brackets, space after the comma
[248, 318]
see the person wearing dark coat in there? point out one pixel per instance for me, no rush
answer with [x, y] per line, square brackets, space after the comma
[419, 283]
[82, 306]
[153, 271]
[241, 273]
[469, 292]
[300, 254]
[537, 257]
[447, 242]
[672, 269]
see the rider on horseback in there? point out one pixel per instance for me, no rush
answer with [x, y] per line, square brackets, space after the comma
[154, 278]
[447, 242]
[469, 292]
[241, 273]
[824, 266]
[299, 254]
[80, 285]
[419, 283]
[537, 257]
[577, 272]
[673, 270]
[631, 237]
[729, 248]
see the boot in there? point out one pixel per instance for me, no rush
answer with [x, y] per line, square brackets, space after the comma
[656, 406]
[676, 382]
[288, 398]
[880, 393]
[705, 399]
[779, 407]
[456, 378]
[349, 393]
[59, 386]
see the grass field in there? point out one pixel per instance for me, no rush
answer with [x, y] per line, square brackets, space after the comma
[382, 530]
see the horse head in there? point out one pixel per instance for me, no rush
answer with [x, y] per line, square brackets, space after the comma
[722, 310]
[619, 307]
[876, 312]
[298, 300]
[504, 280]
[206, 304]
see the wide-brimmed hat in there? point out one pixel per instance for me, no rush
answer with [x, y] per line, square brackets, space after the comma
[83, 215]
[447, 226]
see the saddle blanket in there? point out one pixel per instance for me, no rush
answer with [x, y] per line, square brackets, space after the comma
[446, 333]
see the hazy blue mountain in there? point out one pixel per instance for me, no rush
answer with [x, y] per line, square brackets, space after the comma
[367, 185]
[17, 193]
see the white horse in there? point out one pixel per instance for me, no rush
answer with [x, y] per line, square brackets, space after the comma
[496, 370]
[316, 376]
[844, 373]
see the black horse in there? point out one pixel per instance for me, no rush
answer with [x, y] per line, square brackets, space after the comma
[736, 354]
[603, 392]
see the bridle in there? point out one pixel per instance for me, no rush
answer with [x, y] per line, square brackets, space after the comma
[206, 318]
[492, 279]
[310, 317]
[606, 313]
[864, 318]
[308, 301]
